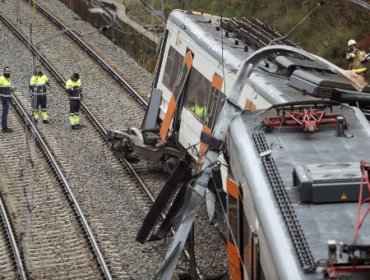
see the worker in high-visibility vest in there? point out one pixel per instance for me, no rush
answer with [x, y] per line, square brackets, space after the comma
[6, 90]
[38, 83]
[199, 111]
[73, 87]
[355, 57]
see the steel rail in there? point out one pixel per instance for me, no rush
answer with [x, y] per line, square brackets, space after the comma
[54, 163]
[90, 115]
[59, 173]
[18, 260]
[62, 82]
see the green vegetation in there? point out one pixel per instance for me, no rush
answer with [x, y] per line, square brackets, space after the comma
[325, 32]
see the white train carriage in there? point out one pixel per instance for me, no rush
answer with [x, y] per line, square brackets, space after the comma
[294, 197]
[296, 181]
[205, 80]
[197, 67]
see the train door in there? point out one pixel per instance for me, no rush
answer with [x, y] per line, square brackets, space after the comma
[242, 245]
[203, 102]
[193, 117]
[215, 101]
[177, 86]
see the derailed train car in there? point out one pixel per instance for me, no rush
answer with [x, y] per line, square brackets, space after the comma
[293, 170]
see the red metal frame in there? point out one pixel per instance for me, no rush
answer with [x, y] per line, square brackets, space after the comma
[306, 117]
[332, 270]
[365, 172]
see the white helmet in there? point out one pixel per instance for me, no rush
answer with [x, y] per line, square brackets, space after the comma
[351, 42]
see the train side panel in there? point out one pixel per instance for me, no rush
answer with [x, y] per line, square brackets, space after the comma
[261, 211]
[199, 85]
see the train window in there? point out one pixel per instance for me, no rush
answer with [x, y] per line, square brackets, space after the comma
[196, 94]
[173, 67]
[214, 105]
[237, 234]
[233, 218]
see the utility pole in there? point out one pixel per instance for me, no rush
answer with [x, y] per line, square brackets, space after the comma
[155, 12]
[321, 2]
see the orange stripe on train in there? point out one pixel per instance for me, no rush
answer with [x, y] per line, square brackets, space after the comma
[203, 146]
[234, 261]
[232, 188]
[167, 119]
[217, 82]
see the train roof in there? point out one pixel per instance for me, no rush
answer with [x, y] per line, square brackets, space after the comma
[324, 164]
[202, 29]
[277, 77]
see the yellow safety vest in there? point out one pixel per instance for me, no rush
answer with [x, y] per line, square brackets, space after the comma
[5, 87]
[74, 89]
[199, 111]
[38, 83]
[355, 58]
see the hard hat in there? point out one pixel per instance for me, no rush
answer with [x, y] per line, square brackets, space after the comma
[351, 42]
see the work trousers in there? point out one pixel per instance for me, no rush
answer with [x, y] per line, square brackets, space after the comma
[39, 101]
[4, 116]
[74, 111]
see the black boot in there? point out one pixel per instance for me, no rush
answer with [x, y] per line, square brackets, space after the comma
[76, 126]
[7, 130]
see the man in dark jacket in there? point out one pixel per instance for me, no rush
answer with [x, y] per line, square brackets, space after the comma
[5, 92]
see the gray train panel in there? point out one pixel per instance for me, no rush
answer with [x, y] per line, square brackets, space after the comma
[294, 151]
[330, 182]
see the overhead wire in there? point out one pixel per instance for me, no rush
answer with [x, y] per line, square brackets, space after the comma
[34, 57]
[18, 13]
[148, 8]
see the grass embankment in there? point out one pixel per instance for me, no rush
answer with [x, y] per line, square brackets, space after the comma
[325, 32]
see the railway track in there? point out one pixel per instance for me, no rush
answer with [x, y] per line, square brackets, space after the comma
[89, 107]
[110, 87]
[55, 237]
[68, 146]
[11, 264]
